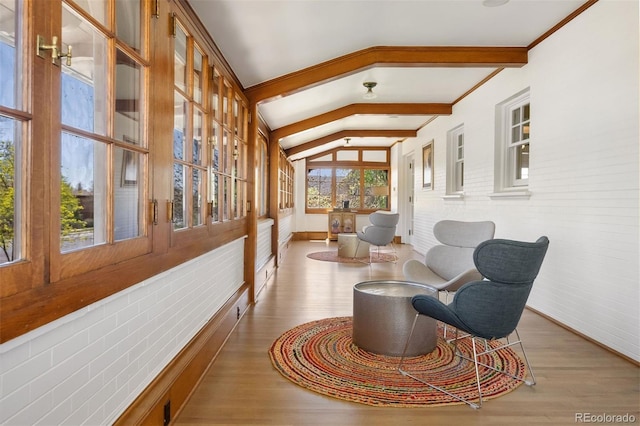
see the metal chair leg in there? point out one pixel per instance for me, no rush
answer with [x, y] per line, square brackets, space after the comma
[489, 350]
[446, 301]
[407, 374]
[474, 359]
[526, 360]
[355, 254]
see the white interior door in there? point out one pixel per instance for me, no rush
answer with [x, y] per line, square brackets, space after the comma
[407, 202]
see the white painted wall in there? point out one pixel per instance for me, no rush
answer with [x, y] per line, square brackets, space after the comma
[584, 175]
[89, 366]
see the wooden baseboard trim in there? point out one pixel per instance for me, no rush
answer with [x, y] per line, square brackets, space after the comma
[309, 235]
[576, 332]
[177, 380]
[319, 235]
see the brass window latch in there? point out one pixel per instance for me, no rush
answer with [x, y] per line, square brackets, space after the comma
[55, 51]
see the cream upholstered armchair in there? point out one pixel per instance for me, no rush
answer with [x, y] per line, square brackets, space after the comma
[450, 265]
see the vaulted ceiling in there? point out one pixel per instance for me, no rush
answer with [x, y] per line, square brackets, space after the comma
[305, 61]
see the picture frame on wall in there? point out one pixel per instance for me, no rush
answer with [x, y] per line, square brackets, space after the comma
[427, 166]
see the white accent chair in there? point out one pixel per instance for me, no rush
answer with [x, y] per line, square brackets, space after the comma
[450, 265]
[381, 231]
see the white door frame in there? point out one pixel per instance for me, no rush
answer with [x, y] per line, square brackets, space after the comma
[406, 202]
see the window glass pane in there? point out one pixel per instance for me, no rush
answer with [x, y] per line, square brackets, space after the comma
[197, 75]
[8, 54]
[235, 198]
[459, 176]
[226, 188]
[460, 150]
[236, 157]
[519, 154]
[179, 205]
[348, 187]
[522, 161]
[96, 8]
[128, 95]
[515, 116]
[347, 155]
[226, 157]
[84, 83]
[318, 189]
[240, 193]
[82, 192]
[241, 121]
[378, 156]
[197, 197]
[376, 189]
[215, 95]
[263, 176]
[180, 59]
[215, 148]
[227, 96]
[179, 126]
[198, 118]
[10, 190]
[126, 194]
[128, 22]
[525, 132]
[215, 216]
[515, 134]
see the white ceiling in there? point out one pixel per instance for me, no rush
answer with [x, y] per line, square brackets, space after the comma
[266, 39]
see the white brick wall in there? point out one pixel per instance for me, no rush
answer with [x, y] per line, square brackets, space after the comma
[584, 172]
[263, 243]
[285, 229]
[87, 367]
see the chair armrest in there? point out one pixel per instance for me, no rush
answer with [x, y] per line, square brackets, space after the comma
[417, 271]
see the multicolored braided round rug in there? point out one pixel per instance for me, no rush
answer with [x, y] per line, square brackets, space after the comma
[321, 356]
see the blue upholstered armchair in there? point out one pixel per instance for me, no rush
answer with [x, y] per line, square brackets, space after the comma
[489, 309]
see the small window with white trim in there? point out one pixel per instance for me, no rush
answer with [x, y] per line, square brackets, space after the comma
[512, 144]
[455, 161]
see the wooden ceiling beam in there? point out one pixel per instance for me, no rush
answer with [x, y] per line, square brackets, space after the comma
[403, 56]
[400, 133]
[363, 109]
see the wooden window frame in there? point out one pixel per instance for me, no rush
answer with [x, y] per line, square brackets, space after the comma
[45, 286]
[285, 184]
[334, 164]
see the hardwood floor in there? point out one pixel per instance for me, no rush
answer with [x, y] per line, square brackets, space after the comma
[574, 376]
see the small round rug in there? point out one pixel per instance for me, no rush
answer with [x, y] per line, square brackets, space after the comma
[332, 256]
[321, 356]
